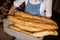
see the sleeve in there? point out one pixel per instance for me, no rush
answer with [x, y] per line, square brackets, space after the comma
[17, 3]
[49, 8]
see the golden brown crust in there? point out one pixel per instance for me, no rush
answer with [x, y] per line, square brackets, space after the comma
[29, 23]
[18, 29]
[34, 17]
[45, 33]
[35, 34]
[32, 20]
[28, 28]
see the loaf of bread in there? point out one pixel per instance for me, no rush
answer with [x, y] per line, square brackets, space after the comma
[45, 33]
[34, 34]
[32, 20]
[29, 23]
[27, 28]
[18, 29]
[34, 17]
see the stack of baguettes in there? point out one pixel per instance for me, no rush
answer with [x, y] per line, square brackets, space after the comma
[33, 25]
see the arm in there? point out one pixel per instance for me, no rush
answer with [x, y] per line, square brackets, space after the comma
[16, 4]
[49, 8]
[12, 9]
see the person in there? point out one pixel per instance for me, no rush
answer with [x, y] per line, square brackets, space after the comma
[34, 7]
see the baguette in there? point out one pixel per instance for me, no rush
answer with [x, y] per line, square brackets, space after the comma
[37, 25]
[28, 28]
[34, 17]
[27, 19]
[45, 33]
[18, 29]
[32, 20]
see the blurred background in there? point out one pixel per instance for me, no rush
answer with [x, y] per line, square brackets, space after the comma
[5, 6]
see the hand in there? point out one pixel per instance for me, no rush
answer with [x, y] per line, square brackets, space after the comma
[11, 10]
[9, 13]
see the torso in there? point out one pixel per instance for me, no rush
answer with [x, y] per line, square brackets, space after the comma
[33, 8]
